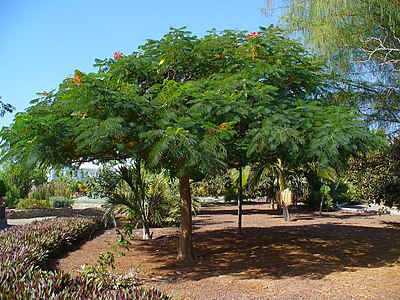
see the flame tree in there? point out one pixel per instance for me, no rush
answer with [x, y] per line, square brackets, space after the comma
[193, 106]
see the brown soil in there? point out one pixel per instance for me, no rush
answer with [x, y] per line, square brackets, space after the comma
[334, 256]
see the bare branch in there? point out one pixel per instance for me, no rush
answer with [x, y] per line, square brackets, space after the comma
[386, 49]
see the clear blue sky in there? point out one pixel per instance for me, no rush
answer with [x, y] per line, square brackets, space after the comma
[44, 41]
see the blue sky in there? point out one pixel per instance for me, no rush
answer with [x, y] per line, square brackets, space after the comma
[44, 41]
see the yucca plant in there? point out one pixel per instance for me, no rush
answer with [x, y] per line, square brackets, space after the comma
[144, 197]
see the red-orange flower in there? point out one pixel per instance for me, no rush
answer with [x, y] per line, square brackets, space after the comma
[118, 54]
[253, 34]
[210, 131]
[44, 94]
[77, 78]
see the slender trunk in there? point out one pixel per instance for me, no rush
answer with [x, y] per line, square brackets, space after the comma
[286, 216]
[278, 199]
[272, 192]
[145, 219]
[146, 231]
[282, 187]
[240, 200]
[185, 251]
[320, 205]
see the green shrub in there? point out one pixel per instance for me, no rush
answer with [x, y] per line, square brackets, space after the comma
[313, 201]
[60, 202]
[3, 188]
[230, 195]
[30, 203]
[12, 197]
[50, 189]
[342, 198]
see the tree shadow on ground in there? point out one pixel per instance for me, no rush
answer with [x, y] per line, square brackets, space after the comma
[311, 251]
[205, 221]
[297, 213]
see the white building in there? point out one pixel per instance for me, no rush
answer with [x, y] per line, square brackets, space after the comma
[85, 170]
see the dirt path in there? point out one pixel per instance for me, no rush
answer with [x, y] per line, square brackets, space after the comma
[336, 256]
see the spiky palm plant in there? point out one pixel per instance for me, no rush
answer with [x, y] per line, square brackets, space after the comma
[143, 196]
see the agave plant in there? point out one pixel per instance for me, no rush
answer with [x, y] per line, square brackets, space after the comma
[144, 197]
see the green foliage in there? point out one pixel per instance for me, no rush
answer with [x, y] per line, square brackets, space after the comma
[19, 181]
[314, 198]
[71, 184]
[3, 188]
[12, 196]
[60, 202]
[104, 182]
[212, 185]
[360, 39]
[192, 105]
[230, 195]
[375, 177]
[30, 203]
[340, 192]
[5, 108]
[146, 198]
[50, 189]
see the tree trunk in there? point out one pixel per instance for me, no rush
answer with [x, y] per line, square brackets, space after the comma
[320, 204]
[185, 252]
[278, 199]
[286, 216]
[282, 187]
[240, 201]
[146, 231]
[272, 192]
[145, 220]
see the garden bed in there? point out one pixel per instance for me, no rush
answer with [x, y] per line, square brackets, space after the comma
[339, 255]
[51, 212]
[26, 251]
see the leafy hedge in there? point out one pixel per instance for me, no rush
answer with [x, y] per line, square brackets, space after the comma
[25, 250]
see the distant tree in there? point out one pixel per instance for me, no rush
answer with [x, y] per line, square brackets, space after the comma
[375, 177]
[362, 42]
[19, 180]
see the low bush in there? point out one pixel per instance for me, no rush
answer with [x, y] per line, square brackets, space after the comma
[50, 189]
[230, 195]
[313, 201]
[30, 203]
[27, 249]
[61, 202]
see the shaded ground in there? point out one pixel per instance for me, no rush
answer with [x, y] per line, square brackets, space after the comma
[340, 255]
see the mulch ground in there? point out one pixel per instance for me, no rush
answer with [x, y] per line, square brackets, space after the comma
[338, 255]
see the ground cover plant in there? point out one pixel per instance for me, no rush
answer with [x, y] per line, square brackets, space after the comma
[26, 250]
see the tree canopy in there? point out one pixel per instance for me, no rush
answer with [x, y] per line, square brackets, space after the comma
[193, 106]
[5, 108]
[361, 40]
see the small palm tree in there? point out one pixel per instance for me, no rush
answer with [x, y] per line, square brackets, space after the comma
[141, 195]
